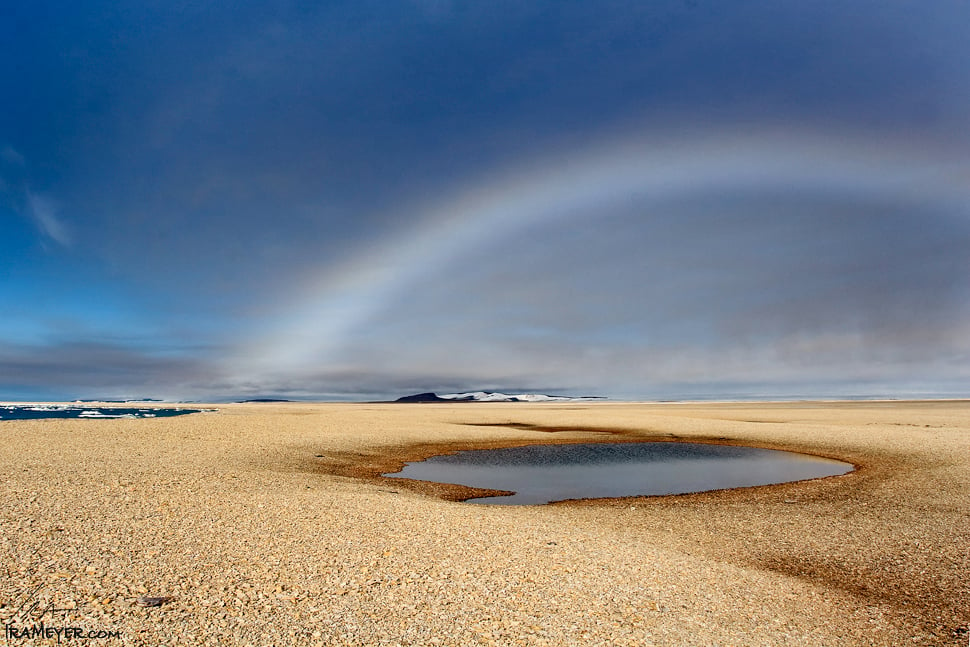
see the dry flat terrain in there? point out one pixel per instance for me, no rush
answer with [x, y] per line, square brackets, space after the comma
[265, 524]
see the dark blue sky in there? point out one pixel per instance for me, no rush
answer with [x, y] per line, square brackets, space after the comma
[355, 199]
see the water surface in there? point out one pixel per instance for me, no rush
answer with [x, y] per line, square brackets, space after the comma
[544, 473]
[41, 411]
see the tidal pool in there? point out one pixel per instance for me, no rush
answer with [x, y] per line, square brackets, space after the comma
[544, 473]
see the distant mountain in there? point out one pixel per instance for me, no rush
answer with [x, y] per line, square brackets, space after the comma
[262, 400]
[491, 396]
[421, 397]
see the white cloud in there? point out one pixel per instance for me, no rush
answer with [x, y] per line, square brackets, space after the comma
[43, 211]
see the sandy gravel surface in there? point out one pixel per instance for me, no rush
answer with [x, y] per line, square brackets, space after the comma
[264, 524]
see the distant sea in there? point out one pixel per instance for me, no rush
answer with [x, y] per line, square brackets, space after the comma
[41, 411]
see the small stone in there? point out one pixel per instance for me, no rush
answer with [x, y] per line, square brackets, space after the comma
[148, 601]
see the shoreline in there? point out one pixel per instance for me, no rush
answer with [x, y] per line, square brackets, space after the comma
[264, 522]
[373, 469]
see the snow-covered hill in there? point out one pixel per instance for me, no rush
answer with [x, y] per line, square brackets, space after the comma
[490, 396]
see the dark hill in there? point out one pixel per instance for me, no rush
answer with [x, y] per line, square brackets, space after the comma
[422, 397]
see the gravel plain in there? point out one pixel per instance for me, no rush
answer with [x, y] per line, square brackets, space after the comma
[269, 524]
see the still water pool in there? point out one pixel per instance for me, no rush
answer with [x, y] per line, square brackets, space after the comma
[544, 473]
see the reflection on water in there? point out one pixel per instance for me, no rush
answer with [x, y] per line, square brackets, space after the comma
[544, 473]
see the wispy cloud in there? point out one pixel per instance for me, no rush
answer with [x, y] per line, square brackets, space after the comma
[44, 212]
[40, 208]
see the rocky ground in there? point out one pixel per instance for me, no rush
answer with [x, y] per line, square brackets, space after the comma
[267, 524]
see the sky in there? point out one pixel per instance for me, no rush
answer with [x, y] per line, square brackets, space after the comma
[361, 200]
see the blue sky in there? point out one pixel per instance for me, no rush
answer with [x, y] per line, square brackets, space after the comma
[365, 199]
